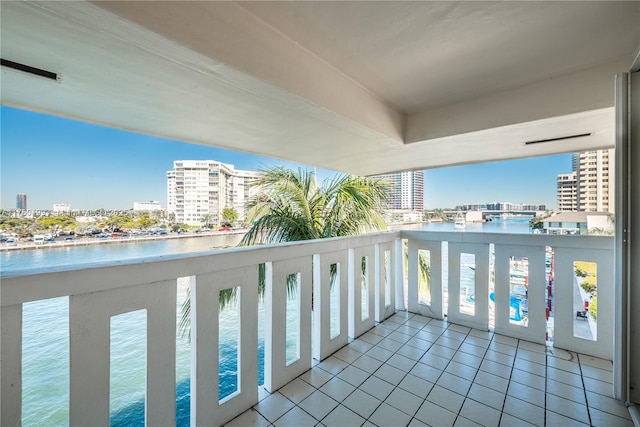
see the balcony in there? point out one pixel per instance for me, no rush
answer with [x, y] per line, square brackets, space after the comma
[377, 347]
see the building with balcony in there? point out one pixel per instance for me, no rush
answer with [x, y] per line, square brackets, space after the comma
[366, 88]
[204, 188]
[406, 190]
[567, 192]
[578, 223]
[590, 186]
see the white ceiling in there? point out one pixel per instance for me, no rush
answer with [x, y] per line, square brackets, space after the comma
[359, 87]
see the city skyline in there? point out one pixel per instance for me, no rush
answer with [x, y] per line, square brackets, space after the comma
[56, 160]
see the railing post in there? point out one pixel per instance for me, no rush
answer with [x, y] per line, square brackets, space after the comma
[398, 273]
[277, 372]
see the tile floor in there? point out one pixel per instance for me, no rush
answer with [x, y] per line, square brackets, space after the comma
[416, 371]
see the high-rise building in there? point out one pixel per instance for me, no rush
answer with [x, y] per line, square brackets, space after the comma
[406, 190]
[199, 188]
[21, 201]
[567, 192]
[590, 187]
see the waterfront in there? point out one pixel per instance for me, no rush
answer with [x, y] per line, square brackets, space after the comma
[45, 367]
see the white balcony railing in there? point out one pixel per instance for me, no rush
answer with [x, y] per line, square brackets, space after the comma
[98, 292]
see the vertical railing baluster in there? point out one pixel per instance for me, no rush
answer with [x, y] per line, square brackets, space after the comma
[276, 370]
[89, 353]
[161, 356]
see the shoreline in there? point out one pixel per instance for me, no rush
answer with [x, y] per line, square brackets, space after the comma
[98, 241]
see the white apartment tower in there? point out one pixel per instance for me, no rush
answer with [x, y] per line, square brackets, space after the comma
[567, 192]
[590, 187]
[197, 188]
[406, 190]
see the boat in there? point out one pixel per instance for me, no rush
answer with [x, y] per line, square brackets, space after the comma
[460, 221]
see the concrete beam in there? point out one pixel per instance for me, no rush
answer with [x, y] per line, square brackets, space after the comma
[573, 93]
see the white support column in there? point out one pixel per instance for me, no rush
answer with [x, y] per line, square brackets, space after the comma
[634, 238]
[620, 358]
[11, 365]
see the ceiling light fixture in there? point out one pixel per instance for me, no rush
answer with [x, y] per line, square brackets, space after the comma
[29, 69]
[540, 141]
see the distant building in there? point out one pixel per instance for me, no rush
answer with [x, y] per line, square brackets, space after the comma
[21, 201]
[61, 207]
[590, 186]
[578, 223]
[406, 190]
[567, 192]
[146, 206]
[199, 188]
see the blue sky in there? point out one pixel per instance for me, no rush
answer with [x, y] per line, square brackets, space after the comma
[55, 160]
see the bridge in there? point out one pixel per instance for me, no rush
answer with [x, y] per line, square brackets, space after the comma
[498, 213]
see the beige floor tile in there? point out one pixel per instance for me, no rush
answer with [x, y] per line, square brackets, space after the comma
[605, 419]
[404, 401]
[377, 388]
[564, 390]
[434, 415]
[454, 383]
[250, 418]
[297, 390]
[526, 393]
[555, 419]
[524, 410]
[367, 363]
[416, 385]
[362, 403]
[446, 398]
[569, 409]
[386, 415]
[342, 416]
[479, 413]
[337, 389]
[274, 406]
[296, 417]
[487, 396]
[318, 405]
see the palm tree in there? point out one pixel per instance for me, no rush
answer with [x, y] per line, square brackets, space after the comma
[290, 206]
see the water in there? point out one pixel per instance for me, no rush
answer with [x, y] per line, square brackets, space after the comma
[46, 337]
[498, 225]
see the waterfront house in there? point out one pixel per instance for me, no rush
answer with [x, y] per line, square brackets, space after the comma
[365, 88]
[578, 223]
